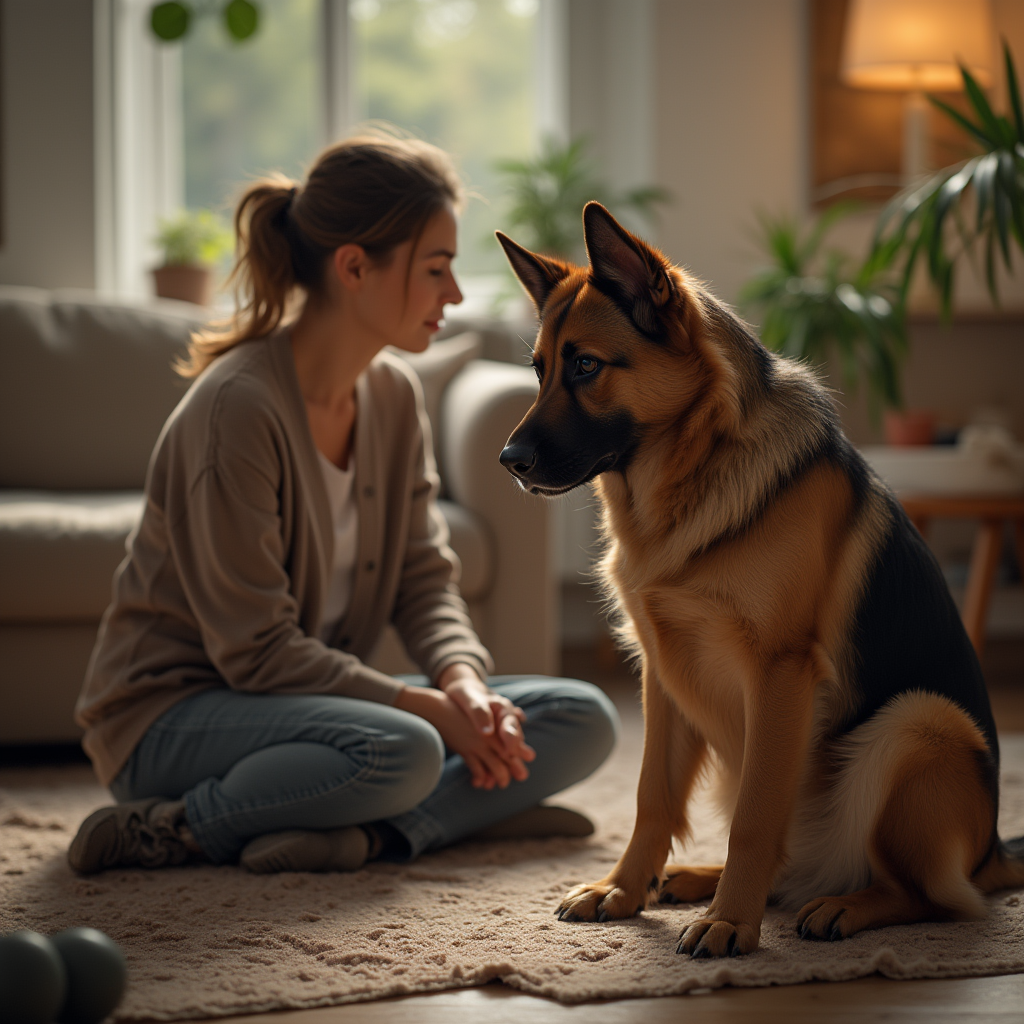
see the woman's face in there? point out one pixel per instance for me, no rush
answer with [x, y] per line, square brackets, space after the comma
[405, 298]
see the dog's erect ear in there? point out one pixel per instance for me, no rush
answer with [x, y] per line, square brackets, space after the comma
[538, 274]
[628, 268]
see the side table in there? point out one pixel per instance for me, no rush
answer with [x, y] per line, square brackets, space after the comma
[992, 511]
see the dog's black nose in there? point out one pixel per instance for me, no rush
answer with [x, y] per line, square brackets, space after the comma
[519, 458]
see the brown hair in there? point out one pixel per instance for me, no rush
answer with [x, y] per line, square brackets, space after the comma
[376, 191]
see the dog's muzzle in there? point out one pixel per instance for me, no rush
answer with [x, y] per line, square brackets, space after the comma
[519, 459]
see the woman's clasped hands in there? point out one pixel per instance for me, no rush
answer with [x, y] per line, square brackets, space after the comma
[482, 726]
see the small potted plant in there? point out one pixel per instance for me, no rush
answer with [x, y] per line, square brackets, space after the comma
[193, 243]
[817, 307]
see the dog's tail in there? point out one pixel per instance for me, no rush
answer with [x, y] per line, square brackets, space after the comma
[1004, 869]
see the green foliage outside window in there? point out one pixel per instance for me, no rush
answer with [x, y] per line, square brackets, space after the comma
[460, 74]
[251, 109]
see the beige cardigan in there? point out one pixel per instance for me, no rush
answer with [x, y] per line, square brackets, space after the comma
[226, 574]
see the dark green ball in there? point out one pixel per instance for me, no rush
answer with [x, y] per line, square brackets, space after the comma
[97, 975]
[32, 979]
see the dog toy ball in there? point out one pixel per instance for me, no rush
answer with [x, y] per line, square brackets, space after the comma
[97, 975]
[33, 980]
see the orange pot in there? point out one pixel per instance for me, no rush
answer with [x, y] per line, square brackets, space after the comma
[184, 281]
[909, 427]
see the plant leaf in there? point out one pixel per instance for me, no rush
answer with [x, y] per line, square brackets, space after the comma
[1001, 209]
[169, 21]
[983, 183]
[969, 126]
[1013, 91]
[982, 107]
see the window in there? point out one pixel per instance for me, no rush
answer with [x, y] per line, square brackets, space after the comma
[188, 123]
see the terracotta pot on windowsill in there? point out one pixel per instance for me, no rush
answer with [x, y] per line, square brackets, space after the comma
[186, 281]
[909, 427]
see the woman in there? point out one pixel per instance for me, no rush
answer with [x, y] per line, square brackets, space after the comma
[290, 514]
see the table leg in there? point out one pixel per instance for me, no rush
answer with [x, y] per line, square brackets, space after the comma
[988, 547]
[1018, 536]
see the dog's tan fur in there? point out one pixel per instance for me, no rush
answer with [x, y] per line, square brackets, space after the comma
[736, 573]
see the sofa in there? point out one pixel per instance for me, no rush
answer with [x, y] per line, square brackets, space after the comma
[85, 386]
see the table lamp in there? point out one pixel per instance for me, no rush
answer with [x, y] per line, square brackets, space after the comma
[913, 45]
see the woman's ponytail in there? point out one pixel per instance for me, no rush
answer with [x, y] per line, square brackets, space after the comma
[263, 277]
[376, 191]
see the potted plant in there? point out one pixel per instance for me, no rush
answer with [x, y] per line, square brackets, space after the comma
[977, 201]
[547, 195]
[819, 306]
[193, 243]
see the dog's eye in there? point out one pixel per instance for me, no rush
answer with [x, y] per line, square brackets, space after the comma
[585, 366]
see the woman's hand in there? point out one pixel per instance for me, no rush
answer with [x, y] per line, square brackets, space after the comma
[482, 726]
[494, 716]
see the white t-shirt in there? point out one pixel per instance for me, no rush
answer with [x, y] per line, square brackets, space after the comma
[345, 517]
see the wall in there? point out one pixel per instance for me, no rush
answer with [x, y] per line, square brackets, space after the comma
[730, 128]
[611, 82]
[48, 221]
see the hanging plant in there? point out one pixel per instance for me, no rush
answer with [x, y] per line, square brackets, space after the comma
[170, 20]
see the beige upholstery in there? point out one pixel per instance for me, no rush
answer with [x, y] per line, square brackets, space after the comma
[58, 551]
[85, 386]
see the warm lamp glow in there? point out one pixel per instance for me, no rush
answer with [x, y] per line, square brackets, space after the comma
[917, 44]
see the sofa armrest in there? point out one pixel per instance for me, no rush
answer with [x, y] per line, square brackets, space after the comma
[480, 408]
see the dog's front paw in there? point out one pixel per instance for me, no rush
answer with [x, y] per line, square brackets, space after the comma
[599, 902]
[709, 938]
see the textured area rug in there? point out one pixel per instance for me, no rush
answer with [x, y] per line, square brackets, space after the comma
[215, 941]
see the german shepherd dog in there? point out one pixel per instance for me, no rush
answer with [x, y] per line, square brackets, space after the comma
[792, 627]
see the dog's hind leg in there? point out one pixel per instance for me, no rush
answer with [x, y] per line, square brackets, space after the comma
[689, 883]
[673, 755]
[925, 759]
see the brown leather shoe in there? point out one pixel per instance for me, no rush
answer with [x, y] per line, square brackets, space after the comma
[541, 822]
[336, 849]
[148, 833]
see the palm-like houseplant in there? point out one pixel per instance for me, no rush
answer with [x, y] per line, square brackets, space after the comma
[816, 306]
[917, 222]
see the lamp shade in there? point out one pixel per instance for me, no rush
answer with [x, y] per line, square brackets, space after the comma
[917, 44]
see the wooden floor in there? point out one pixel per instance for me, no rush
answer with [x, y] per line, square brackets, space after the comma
[867, 1001]
[870, 1000]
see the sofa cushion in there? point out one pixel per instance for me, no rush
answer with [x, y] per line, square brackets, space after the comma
[85, 387]
[472, 544]
[59, 550]
[435, 367]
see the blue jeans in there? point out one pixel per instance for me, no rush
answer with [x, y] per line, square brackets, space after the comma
[248, 764]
